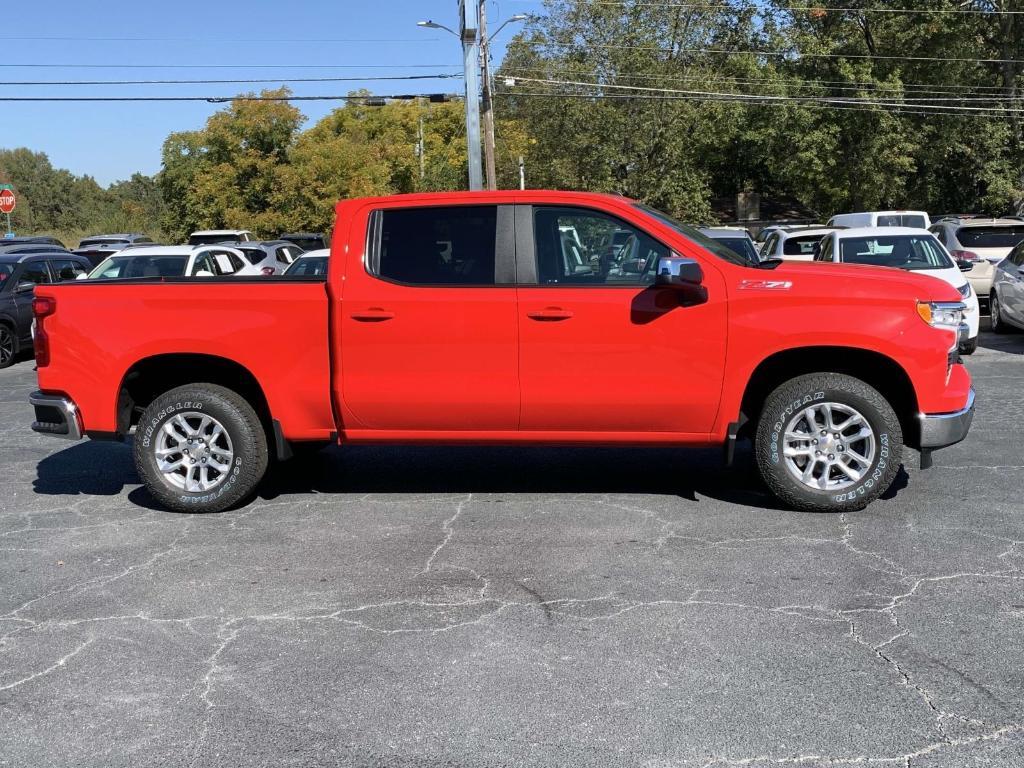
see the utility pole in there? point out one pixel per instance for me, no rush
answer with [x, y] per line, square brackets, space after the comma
[488, 106]
[522, 172]
[469, 28]
[422, 151]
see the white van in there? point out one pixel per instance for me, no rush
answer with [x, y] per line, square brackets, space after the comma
[913, 219]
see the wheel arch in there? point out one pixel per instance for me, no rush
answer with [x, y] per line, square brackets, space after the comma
[150, 377]
[873, 368]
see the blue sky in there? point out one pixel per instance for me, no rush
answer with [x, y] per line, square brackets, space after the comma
[217, 39]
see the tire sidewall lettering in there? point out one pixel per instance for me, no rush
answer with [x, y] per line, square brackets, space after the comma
[779, 424]
[158, 421]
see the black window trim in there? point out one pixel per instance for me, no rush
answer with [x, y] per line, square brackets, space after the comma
[527, 273]
[504, 246]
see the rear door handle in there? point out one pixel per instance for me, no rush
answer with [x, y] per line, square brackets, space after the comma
[373, 315]
[550, 315]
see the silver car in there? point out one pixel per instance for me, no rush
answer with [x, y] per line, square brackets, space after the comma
[981, 242]
[270, 257]
[1006, 301]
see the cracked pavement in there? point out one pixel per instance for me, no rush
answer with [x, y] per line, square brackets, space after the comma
[514, 607]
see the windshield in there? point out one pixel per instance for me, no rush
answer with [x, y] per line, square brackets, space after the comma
[990, 237]
[102, 241]
[740, 245]
[312, 266]
[150, 265]
[914, 220]
[912, 252]
[719, 249]
[801, 246]
[214, 239]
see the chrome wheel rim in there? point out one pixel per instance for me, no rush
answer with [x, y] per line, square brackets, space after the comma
[994, 311]
[829, 446]
[194, 452]
[6, 346]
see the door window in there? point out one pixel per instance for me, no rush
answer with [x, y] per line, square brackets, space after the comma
[65, 270]
[769, 247]
[582, 247]
[826, 250]
[35, 272]
[204, 263]
[436, 246]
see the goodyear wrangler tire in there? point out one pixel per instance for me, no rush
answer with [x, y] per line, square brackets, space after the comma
[200, 448]
[828, 442]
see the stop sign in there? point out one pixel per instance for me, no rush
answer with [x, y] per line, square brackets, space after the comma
[7, 200]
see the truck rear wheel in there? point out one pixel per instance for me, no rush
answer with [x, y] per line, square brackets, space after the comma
[827, 442]
[200, 448]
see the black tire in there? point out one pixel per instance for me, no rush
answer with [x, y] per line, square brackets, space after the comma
[995, 310]
[8, 346]
[786, 402]
[969, 347]
[247, 442]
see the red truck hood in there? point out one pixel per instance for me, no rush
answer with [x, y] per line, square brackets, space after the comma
[857, 280]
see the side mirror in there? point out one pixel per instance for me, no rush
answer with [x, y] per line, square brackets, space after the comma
[683, 276]
[965, 266]
[25, 286]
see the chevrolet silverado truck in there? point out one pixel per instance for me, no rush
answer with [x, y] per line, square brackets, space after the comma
[518, 318]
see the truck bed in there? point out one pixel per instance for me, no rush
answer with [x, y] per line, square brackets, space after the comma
[275, 328]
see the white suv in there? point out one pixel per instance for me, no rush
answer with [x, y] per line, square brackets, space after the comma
[796, 244]
[912, 249]
[174, 261]
[981, 242]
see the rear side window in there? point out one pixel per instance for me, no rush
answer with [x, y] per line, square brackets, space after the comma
[67, 270]
[35, 273]
[990, 237]
[800, 246]
[436, 246]
[902, 220]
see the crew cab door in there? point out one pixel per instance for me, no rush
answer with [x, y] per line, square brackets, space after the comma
[428, 325]
[601, 348]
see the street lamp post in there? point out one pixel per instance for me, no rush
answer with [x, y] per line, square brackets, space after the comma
[476, 55]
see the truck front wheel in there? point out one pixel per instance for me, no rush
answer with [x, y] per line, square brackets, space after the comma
[200, 448]
[827, 442]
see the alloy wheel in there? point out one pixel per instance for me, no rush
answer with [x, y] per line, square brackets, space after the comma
[829, 446]
[194, 452]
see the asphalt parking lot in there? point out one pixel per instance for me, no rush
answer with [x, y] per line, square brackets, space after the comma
[449, 607]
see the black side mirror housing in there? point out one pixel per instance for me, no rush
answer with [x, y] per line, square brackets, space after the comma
[684, 276]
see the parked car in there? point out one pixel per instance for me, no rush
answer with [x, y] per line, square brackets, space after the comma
[31, 240]
[913, 219]
[458, 326]
[982, 242]
[796, 244]
[270, 257]
[310, 264]
[739, 240]
[765, 232]
[19, 275]
[214, 236]
[27, 248]
[909, 249]
[307, 241]
[1006, 302]
[174, 261]
[123, 240]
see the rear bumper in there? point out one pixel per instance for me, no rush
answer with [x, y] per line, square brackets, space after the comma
[56, 416]
[945, 429]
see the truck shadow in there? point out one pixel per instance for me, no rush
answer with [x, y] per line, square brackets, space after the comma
[105, 469]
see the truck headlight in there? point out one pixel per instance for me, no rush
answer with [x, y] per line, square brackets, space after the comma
[942, 314]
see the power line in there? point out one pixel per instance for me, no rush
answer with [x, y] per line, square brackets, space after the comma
[90, 65]
[652, 97]
[810, 8]
[791, 54]
[44, 38]
[363, 78]
[226, 99]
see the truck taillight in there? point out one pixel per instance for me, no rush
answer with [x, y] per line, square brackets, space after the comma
[42, 307]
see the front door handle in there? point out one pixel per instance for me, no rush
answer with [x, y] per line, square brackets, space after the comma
[373, 315]
[550, 315]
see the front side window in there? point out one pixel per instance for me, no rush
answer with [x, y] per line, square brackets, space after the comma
[583, 247]
[436, 246]
[204, 263]
[771, 245]
[826, 250]
[912, 252]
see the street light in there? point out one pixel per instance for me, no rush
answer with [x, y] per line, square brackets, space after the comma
[428, 24]
[517, 17]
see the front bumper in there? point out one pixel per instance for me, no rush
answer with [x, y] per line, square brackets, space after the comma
[946, 429]
[56, 416]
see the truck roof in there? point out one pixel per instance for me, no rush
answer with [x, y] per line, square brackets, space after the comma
[492, 196]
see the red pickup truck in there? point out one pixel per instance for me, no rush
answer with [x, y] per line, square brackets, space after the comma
[511, 318]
